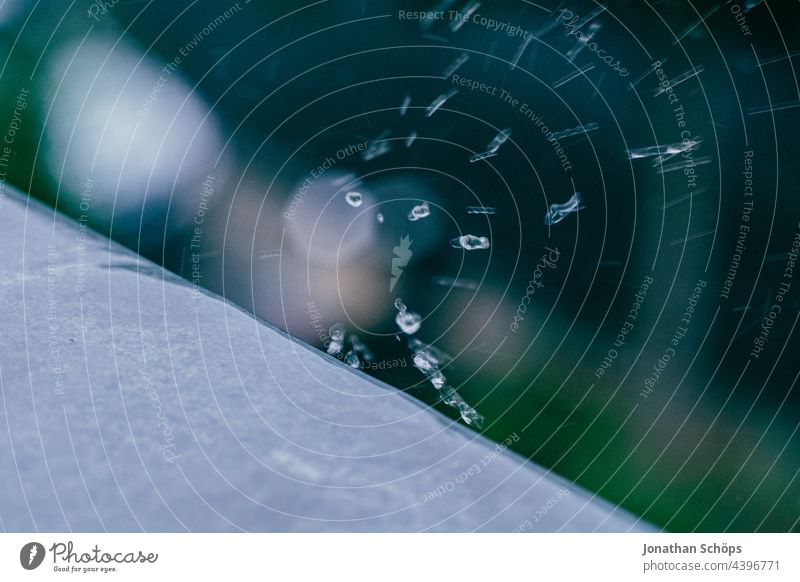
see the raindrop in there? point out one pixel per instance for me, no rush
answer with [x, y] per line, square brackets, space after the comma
[670, 149]
[462, 17]
[439, 101]
[377, 147]
[404, 106]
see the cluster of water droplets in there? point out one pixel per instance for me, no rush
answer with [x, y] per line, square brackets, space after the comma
[358, 351]
[336, 333]
[429, 360]
[426, 358]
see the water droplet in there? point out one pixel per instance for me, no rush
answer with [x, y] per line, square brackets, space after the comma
[354, 199]
[438, 380]
[404, 106]
[453, 399]
[337, 331]
[493, 147]
[498, 140]
[464, 15]
[449, 396]
[416, 345]
[670, 149]
[380, 218]
[427, 359]
[419, 212]
[470, 242]
[408, 322]
[481, 210]
[351, 359]
[470, 415]
[482, 156]
[584, 129]
[377, 147]
[425, 362]
[439, 101]
[558, 212]
[361, 349]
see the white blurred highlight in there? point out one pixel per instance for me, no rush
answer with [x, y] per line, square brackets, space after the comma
[134, 128]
